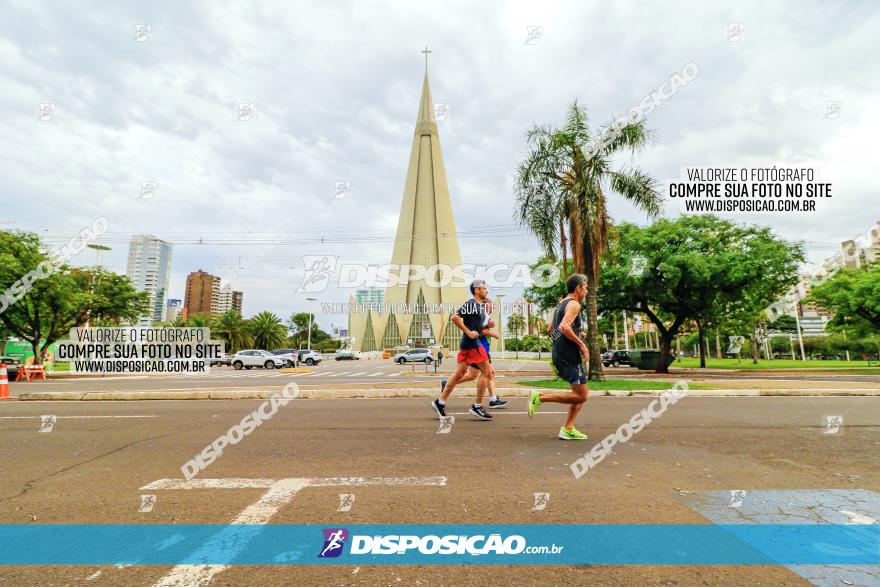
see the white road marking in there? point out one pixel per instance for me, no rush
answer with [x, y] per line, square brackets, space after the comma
[280, 492]
[509, 412]
[857, 518]
[228, 543]
[358, 374]
[376, 374]
[232, 483]
[72, 417]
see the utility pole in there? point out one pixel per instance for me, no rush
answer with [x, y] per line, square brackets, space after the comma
[310, 322]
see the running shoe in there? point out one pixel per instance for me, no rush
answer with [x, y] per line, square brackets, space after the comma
[440, 409]
[479, 412]
[497, 403]
[573, 434]
[534, 402]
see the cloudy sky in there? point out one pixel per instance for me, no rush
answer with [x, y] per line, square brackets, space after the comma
[336, 92]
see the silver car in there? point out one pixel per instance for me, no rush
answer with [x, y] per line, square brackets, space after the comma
[255, 358]
[413, 356]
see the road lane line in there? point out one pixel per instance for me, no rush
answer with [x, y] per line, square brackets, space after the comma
[493, 412]
[227, 542]
[362, 481]
[72, 417]
[231, 483]
[280, 492]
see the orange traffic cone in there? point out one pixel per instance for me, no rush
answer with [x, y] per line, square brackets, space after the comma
[4, 382]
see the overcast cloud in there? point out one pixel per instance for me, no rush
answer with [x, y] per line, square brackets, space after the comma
[336, 91]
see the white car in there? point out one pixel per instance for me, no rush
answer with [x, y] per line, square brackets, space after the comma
[255, 358]
[413, 356]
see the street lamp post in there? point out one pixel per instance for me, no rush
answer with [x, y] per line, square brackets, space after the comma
[98, 250]
[500, 298]
[310, 322]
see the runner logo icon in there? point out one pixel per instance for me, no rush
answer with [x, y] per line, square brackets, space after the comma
[334, 541]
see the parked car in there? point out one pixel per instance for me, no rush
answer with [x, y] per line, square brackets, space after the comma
[309, 357]
[12, 366]
[413, 356]
[226, 359]
[290, 356]
[256, 358]
[348, 356]
[616, 359]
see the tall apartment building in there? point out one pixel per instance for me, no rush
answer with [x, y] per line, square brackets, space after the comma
[202, 293]
[865, 250]
[172, 310]
[374, 296]
[149, 268]
[228, 299]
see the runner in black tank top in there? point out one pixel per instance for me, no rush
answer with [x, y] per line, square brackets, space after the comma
[565, 352]
[569, 357]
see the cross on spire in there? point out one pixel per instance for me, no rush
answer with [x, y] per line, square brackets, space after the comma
[426, 51]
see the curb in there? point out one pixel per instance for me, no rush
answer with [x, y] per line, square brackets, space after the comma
[408, 392]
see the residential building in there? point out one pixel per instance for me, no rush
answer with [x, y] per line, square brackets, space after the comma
[172, 310]
[149, 268]
[202, 293]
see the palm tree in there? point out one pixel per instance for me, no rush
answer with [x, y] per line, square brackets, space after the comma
[200, 321]
[564, 179]
[233, 330]
[267, 331]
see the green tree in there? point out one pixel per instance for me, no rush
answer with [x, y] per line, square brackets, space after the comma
[548, 297]
[267, 331]
[565, 179]
[233, 330]
[65, 298]
[696, 268]
[200, 321]
[298, 325]
[854, 297]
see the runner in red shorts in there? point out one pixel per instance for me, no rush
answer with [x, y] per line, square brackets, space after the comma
[469, 318]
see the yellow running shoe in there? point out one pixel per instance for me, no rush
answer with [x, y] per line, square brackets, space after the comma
[573, 434]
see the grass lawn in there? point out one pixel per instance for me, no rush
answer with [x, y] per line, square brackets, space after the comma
[613, 384]
[746, 363]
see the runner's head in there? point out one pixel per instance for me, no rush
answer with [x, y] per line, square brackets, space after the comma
[577, 286]
[479, 290]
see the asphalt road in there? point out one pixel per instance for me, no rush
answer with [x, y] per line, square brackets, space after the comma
[92, 465]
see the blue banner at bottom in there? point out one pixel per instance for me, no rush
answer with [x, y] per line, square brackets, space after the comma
[529, 544]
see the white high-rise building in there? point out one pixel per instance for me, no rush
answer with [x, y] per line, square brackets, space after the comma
[149, 268]
[227, 299]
